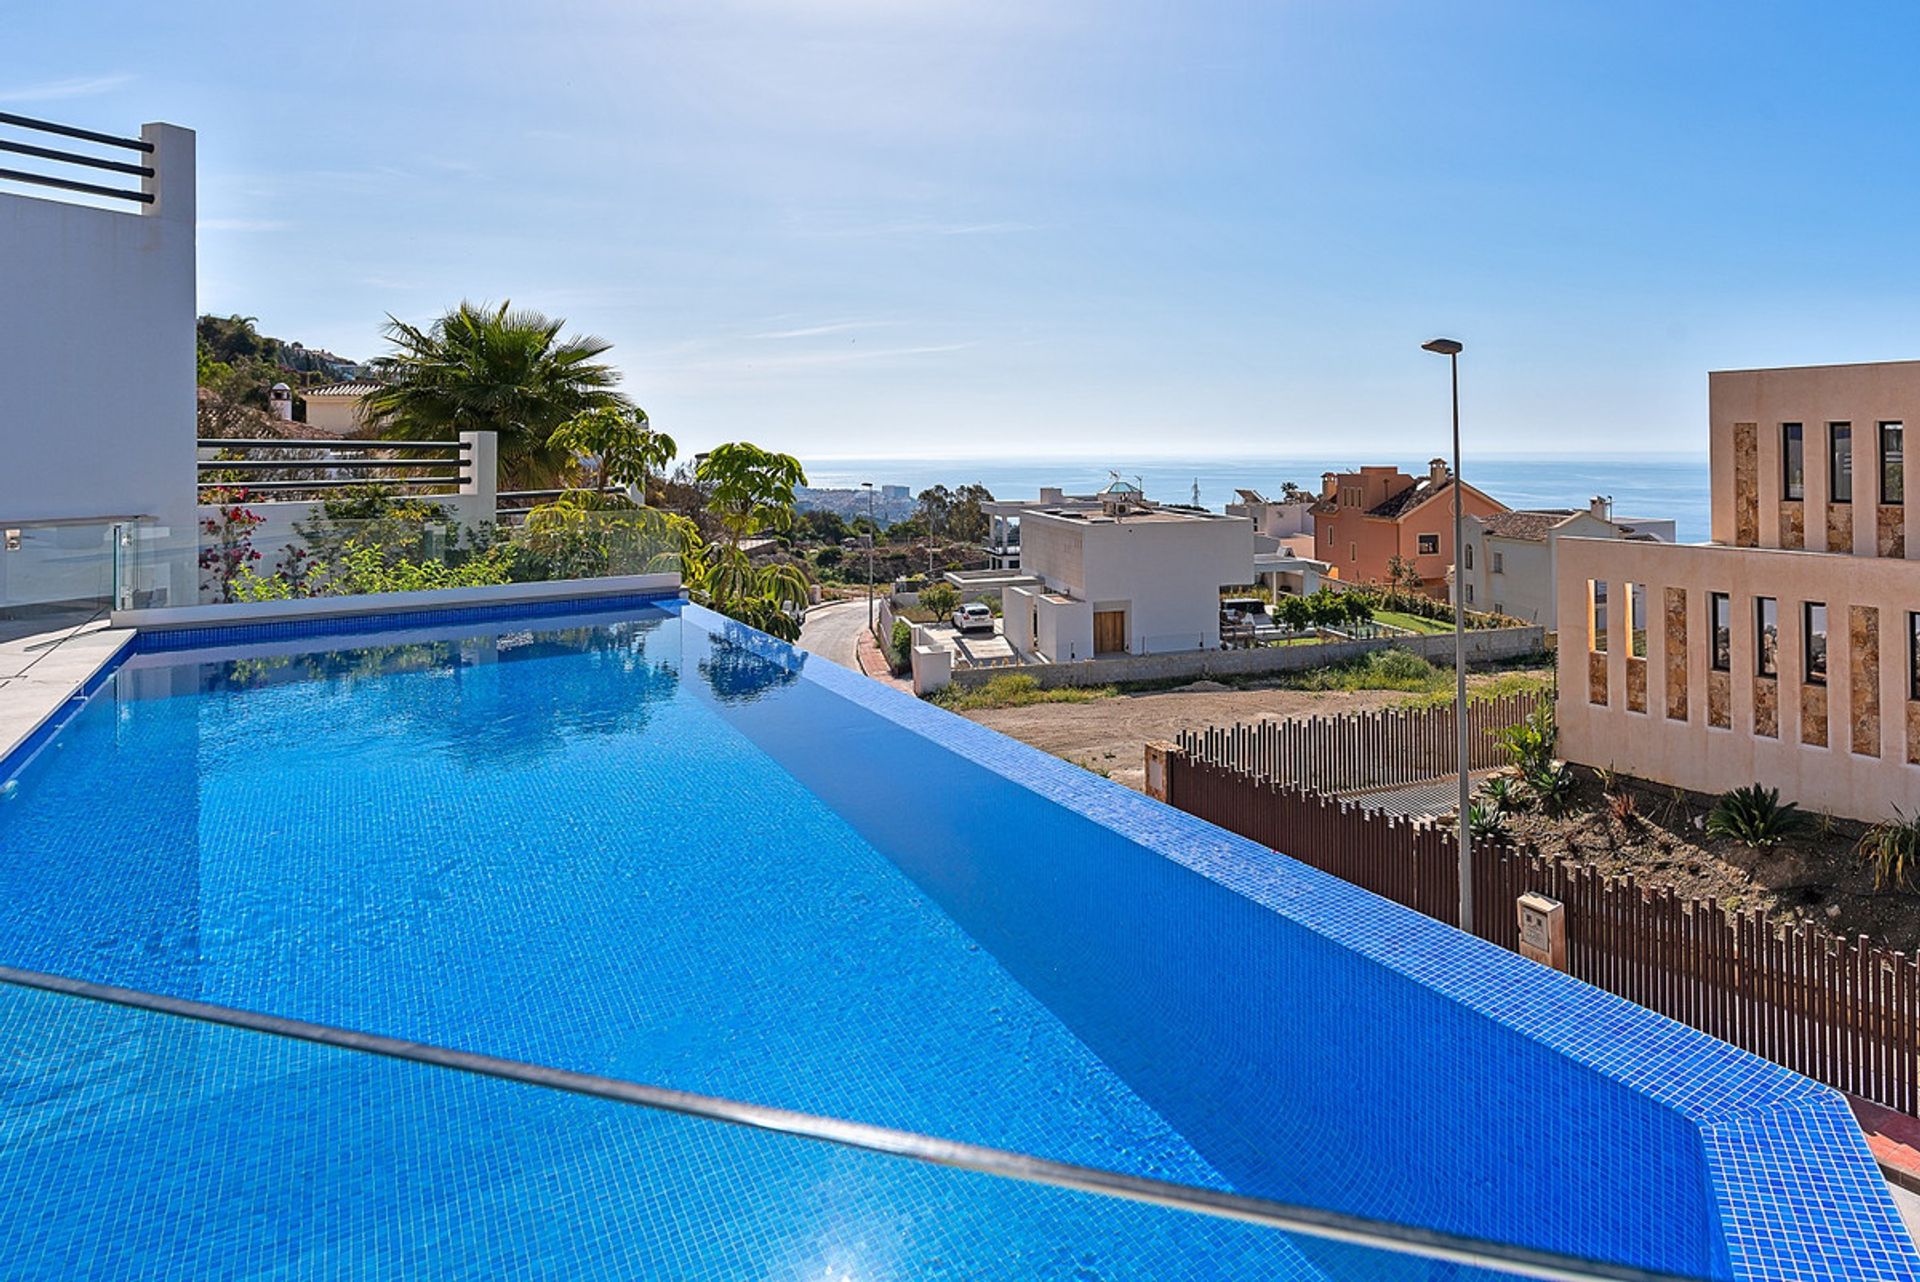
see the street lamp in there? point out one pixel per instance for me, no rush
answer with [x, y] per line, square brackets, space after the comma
[871, 527]
[1451, 348]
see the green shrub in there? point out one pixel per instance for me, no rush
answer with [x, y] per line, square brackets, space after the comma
[900, 652]
[1551, 785]
[1893, 847]
[939, 599]
[1529, 745]
[1401, 665]
[1504, 796]
[1754, 815]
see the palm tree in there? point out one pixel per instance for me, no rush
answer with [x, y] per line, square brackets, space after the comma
[486, 369]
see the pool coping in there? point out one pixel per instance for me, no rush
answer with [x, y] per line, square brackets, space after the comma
[38, 700]
[1758, 1124]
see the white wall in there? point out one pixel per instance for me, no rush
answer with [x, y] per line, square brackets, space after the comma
[1065, 629]
[1016, 618]
[97, 350]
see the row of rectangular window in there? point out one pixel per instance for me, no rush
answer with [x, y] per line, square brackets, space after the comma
[1892, 451]
[1813, 632]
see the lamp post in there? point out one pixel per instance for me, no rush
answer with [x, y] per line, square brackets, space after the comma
[1451, 348]
[871, 527]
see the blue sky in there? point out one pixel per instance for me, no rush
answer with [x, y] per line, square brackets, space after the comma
[875, 227]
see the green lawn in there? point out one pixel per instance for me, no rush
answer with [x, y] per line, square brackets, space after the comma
[1412, 622]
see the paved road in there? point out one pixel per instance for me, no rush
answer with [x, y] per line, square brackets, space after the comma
[832, 631]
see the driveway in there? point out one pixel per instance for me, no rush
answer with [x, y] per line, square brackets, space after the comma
[833, 630]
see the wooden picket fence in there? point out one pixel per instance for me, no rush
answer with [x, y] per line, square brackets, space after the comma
[1344, 752]
[1844, 1013]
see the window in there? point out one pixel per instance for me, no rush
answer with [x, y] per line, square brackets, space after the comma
[1814, 633]
[1793, 464]
[1720, 620]
[1913, 656]
[1766, 636]
[1840, 462]
[1637, 620]
[1597, 633]
[1893, 482]
[1467, 553]
[1353, 551]
[1469, 594]
[1499, 562]
[1429, 545]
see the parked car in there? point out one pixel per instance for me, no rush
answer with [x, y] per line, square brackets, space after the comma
[973, 617]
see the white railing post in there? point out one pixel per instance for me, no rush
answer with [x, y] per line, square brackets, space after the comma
[478, 502]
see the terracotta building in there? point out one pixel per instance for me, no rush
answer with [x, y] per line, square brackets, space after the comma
[1365, 519]
[1787, 651]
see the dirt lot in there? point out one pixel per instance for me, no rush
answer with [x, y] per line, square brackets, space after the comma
[1656, 834]
[1109, 736]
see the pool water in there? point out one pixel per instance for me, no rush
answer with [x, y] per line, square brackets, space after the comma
[653, 845]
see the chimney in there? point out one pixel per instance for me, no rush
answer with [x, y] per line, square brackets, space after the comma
[1052, 496]
[1437, 470]
[1326, 484]
[1601, 506]
[280, 402]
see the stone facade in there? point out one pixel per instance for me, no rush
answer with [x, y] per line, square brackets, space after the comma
[1863, 704]
[1746, 485]
[1636, 684]
[1813, 716]
[1913, 732]
[1597, 677]
[1766, 707]
[1793, 525]
[1840, 528]
[1676, 602]
[1720, 700]
[1890, 537]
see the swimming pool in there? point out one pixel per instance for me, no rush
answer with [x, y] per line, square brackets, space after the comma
[641, 842]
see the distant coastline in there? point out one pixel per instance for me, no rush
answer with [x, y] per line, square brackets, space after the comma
[1643, 485]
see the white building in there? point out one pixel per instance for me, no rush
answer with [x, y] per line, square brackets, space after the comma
[1125, 577]
[338, 409]
[97, 429]
[1279, 519]
[1511, 559]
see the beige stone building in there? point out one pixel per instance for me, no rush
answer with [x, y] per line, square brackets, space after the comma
[1787, 651]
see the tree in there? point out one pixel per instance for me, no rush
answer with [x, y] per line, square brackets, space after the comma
[822, 526]
[940, 598]
[486, 369]
[1359, 608]
[626, 449]
[751, 489]
[1294, 612]
[966, 522]
[1403, 574]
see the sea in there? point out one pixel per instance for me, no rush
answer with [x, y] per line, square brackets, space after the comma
[1671, 486]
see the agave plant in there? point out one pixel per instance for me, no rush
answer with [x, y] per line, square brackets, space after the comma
[1504, 795]
[1893, 847]
[1755, 816]
[1551, 784]
[1485, 822]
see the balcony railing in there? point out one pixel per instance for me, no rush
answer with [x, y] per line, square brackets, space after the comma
[298, 468]
[63, 167]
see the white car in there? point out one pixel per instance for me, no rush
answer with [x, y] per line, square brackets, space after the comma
[973, 617]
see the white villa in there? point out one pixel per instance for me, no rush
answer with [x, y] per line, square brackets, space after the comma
[1124, 577]
[1511, 559]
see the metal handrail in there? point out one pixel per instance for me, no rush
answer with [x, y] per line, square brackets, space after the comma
[216, 464]
[72, 131]
[275, 443]
[1309, 1221]
[65, 157]
[338, 483]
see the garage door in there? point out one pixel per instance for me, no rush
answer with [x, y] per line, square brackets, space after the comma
[1109, 631]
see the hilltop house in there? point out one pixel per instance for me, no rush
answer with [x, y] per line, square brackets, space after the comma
[1366, 520]
[1787, 650]
[338, 409]
[1124, 577]
[1510, 558]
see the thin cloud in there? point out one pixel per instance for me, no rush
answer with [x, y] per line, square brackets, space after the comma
[72, 87]
[817, 331]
